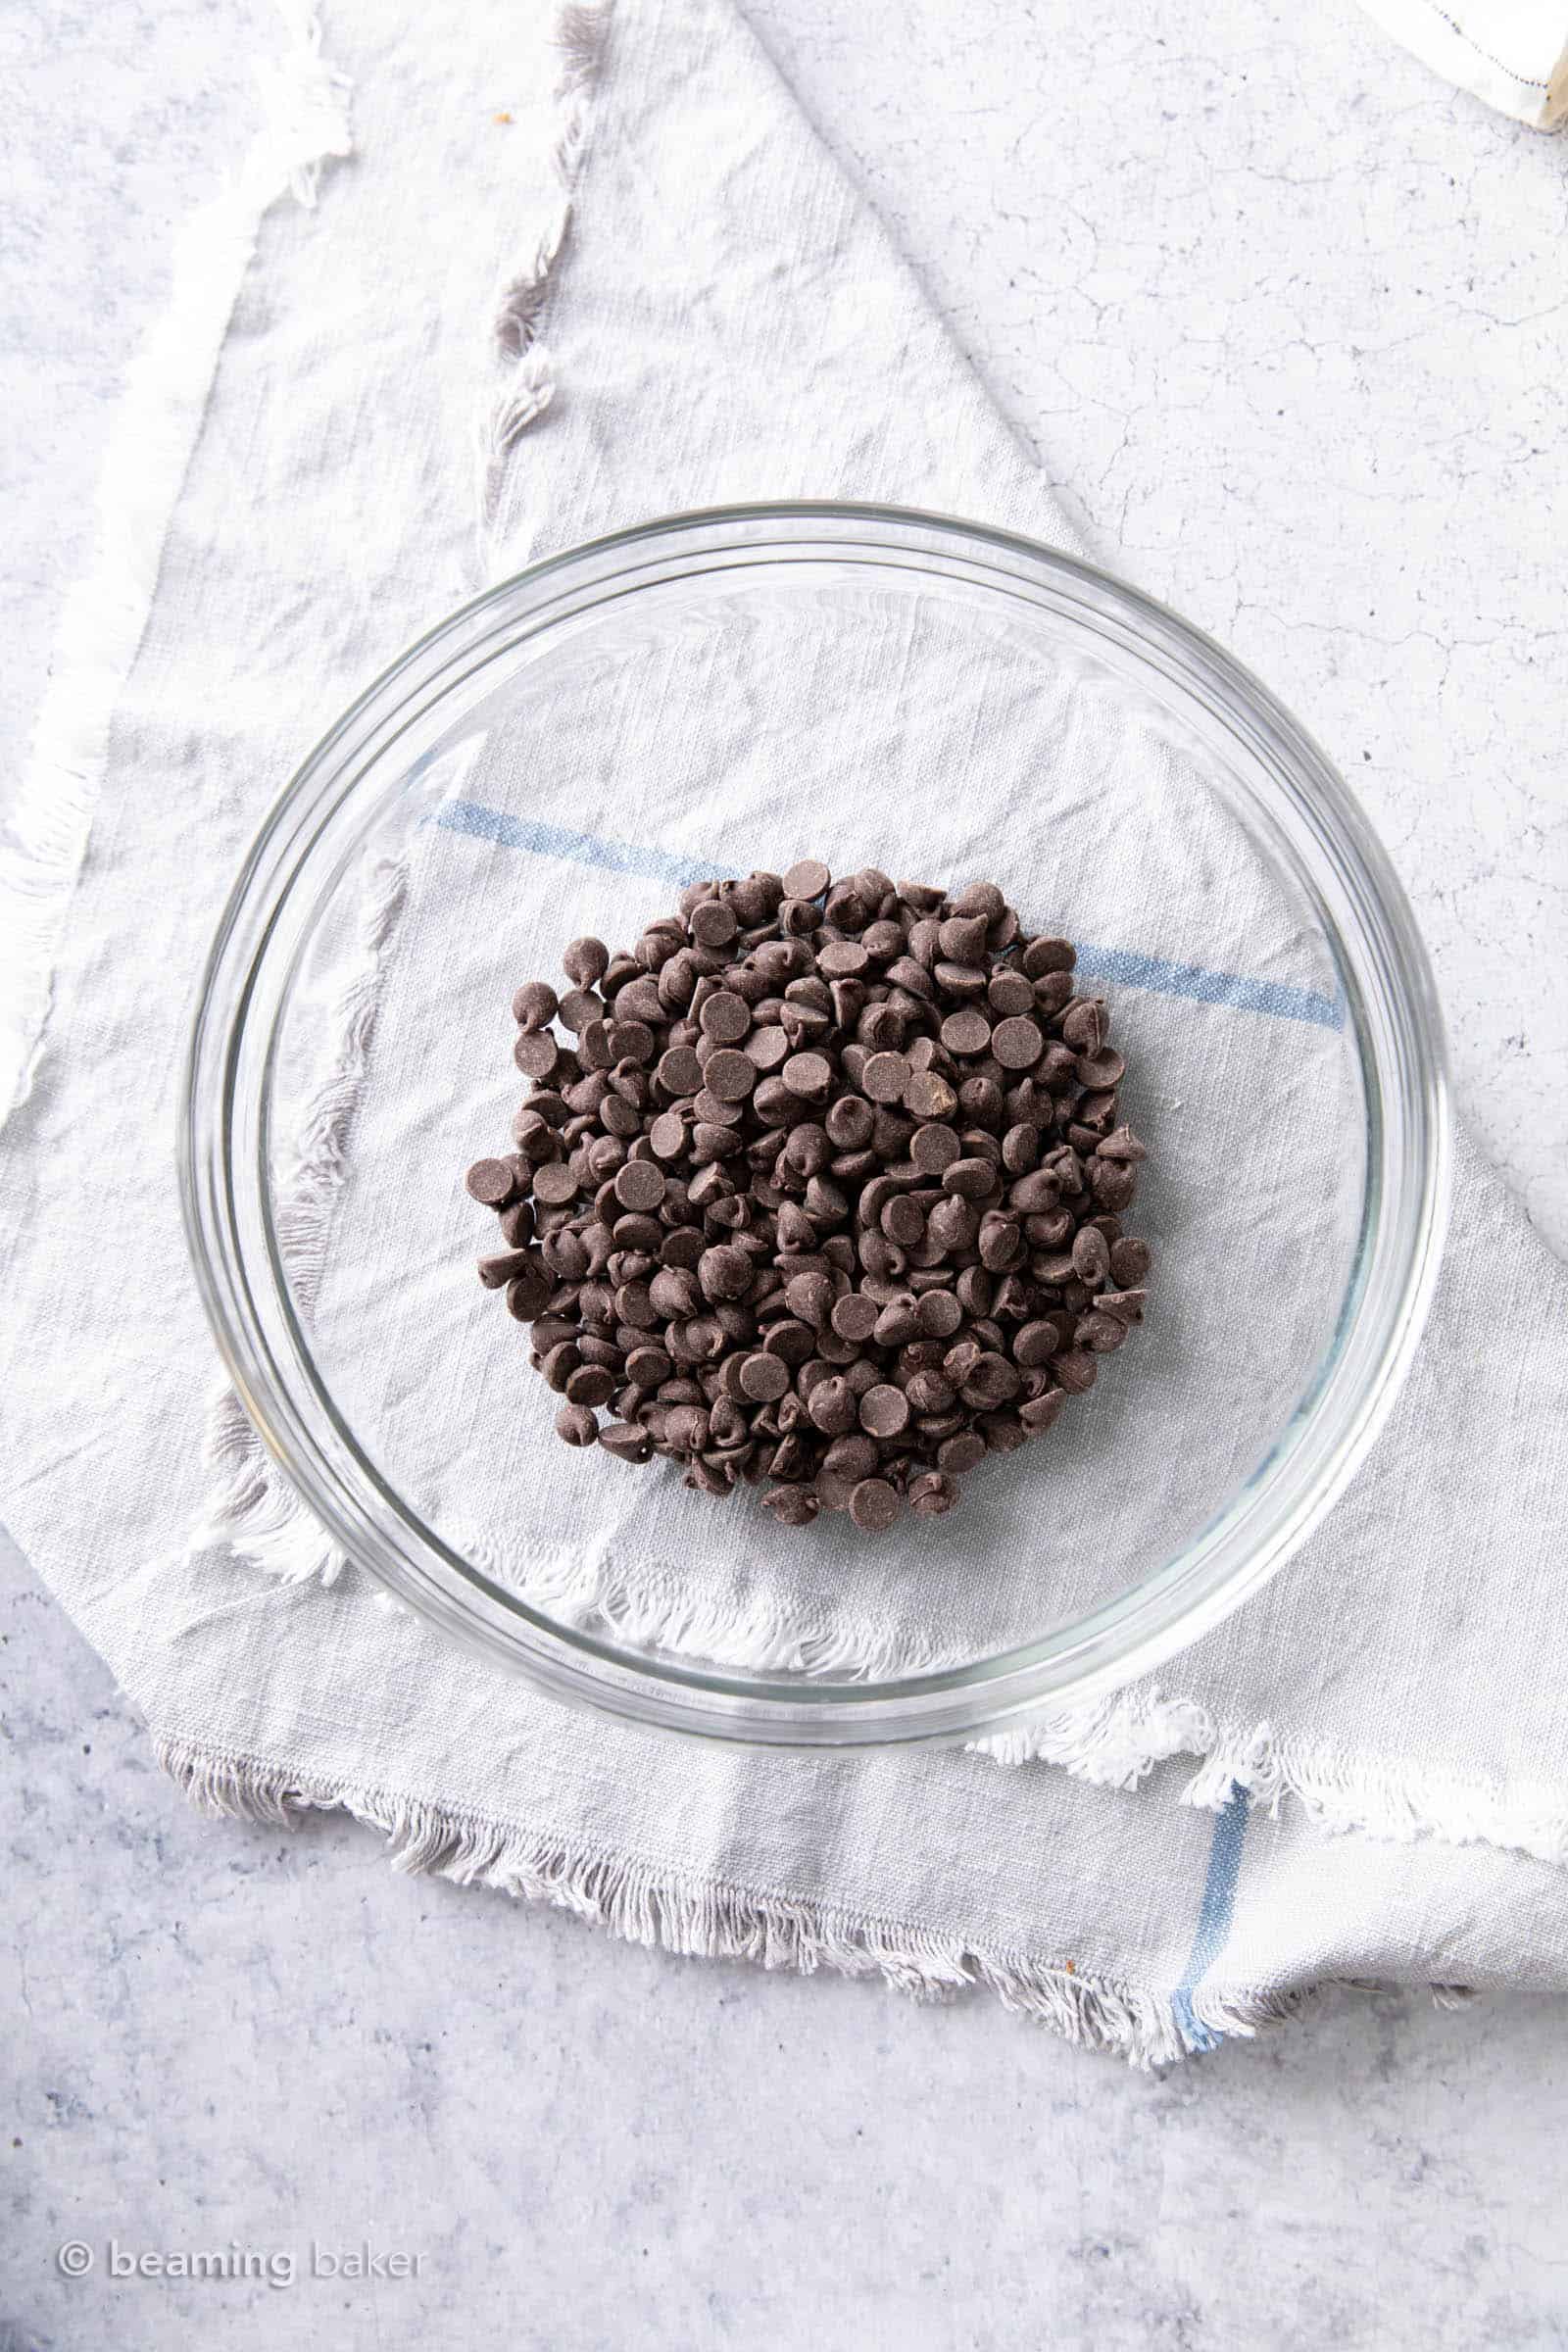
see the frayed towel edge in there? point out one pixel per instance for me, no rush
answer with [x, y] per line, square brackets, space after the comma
[1117, 1742]
[1113, 1743]
[581, 35]
[649, 1904]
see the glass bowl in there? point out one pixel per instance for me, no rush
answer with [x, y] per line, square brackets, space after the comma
[741, 688]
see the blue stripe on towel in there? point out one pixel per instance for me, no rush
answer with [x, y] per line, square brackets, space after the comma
[579, 849]
[1214, 1914]
[1275, 999]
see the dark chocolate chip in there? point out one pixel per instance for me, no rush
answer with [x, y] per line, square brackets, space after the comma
[556, 1184]
[970, 1179]
[807, 1075]
[492, 1182]
[534, 1006]
[528, 1294]
[763, 1378]
[854, 1317]
[885, 1411]
[731, 1075]
[713, 924]
[627, 1440]
[928, 1096]
[1043, 956]
[1008, 993]
[640, 1186]
[874, 1505]
[939, 1314]
[586, 962]
[724, 1272]
[536, 1054]
[885, 1077]
[808, 878]
[496, 1272]
[792, 1506]
[1018, 1041]
[725, 1017]
[932, 1494]
[832, 1405]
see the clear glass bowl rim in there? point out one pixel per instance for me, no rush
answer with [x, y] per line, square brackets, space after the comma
[224, 1150]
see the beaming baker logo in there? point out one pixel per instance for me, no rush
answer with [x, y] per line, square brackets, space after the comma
[277, 2266]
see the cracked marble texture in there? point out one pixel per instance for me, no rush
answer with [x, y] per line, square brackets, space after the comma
[1285, 320]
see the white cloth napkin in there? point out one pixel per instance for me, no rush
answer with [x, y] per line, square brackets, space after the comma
[725, 319]
[1512, 53]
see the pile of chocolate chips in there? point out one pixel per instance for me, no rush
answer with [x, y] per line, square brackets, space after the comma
[826, 1195]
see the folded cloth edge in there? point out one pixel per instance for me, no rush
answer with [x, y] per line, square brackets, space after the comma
[702, 1917]
[304, 125]
[1530, 84]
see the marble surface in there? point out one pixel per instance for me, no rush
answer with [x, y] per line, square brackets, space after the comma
[1283, 318]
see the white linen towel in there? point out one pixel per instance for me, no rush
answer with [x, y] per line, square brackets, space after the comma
[727, 320]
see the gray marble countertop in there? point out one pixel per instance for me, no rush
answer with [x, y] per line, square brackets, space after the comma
[1284, 318]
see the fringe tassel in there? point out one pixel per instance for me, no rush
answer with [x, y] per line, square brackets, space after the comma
[304, 122]
[709, 1920]
[652, 1605]
[1118, 1741]
[1385, 1800]
[320, 1166]
[304, 102]
[256, 1512]
[1114, 1742]
[581, 36]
